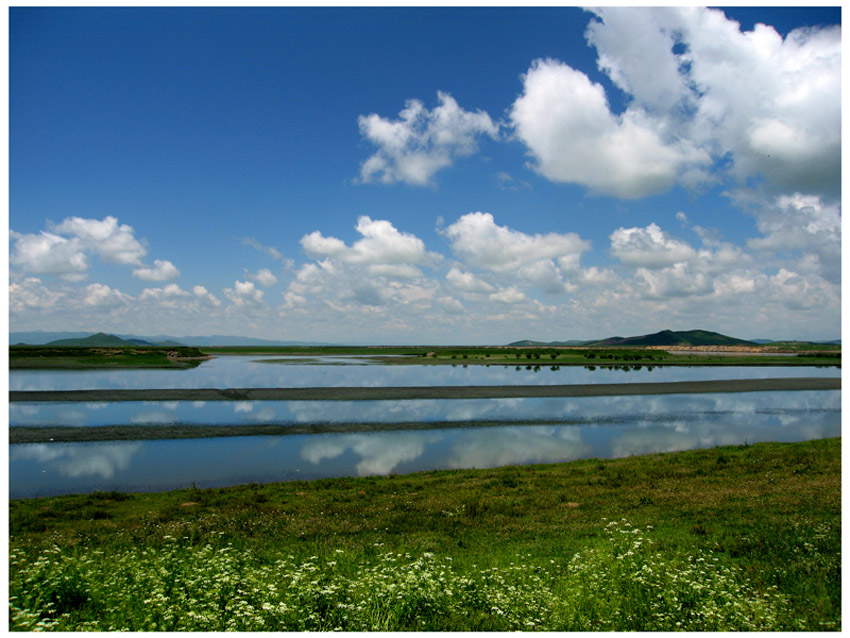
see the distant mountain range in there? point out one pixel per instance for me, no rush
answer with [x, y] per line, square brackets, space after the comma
[84, 339]
[665, 338]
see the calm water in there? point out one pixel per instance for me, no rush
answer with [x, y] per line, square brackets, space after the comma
[257, 372]
[603, 429]
[471, 433]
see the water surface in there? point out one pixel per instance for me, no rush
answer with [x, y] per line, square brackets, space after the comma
[599, 427]
[237, 371]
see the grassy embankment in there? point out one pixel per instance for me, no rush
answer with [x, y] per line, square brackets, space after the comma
[743, 537]
[46, 357]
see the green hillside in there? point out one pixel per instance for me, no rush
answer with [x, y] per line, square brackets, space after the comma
[671, 338]
[663, 338]
[99, 340]
[103, 340]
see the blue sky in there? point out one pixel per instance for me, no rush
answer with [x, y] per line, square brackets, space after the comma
[425, 175]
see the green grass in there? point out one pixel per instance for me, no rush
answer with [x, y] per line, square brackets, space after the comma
[744, 538]
[103, 357]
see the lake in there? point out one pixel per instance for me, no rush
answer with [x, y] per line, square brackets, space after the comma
[238, 371]
[437, 434]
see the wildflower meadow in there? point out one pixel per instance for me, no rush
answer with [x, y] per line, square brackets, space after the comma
[372, 562]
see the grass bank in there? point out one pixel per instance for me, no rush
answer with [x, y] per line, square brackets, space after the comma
[744, 537]
[73, 358]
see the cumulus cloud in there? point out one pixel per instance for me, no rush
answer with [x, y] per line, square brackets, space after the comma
[699, 91]
[804, 223]
[384, 250]
[32, 294]
[679, 280]
[467, 282]
[170, 296]
[770, 104]
[649, 247]
[48, 254]
[479, 241]
[205, 297]
[162, 270]
[113, 242]
[566, 123]
[414, 147]
[264, 277]
[509, 296]
[64, 248]
[101, 295]
[245, 295]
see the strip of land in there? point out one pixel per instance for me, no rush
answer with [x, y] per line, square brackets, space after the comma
[144, 432]
[426, 392]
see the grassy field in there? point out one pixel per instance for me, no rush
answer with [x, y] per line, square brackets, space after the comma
[45, 357]
[734, 538]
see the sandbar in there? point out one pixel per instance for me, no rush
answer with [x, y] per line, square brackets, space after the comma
[427, 392]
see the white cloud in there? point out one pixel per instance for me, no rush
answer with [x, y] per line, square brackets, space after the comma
[649, 247]
[317, 245]
[383, 244]
[205, 297]
[477, 239]
[772, 105]
[264, 277]
[48, 254]
[383, 249]
[565, 121]
[245, 295]
[679, 280]
[467, 282]
[169, 291]
[413, 148]
[162, 270]
[101, 295]
[64, 248]
[32, 294]
[510, 296]
[113, 243]
[805, 223]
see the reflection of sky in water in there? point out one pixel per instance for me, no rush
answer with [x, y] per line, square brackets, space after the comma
[246, 372]
[575, 409]
[656, 424]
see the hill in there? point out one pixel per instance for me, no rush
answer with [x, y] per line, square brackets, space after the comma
[103, 340]
[671, 338]
[663, 338]
[39, 338]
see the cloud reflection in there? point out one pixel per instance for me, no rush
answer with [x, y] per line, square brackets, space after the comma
[73, 461]
[679, 436]
[516, 445]
[379, 454]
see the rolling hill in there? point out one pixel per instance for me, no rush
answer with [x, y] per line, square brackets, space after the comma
[103, 340]
[671, 338]
[663, 338]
